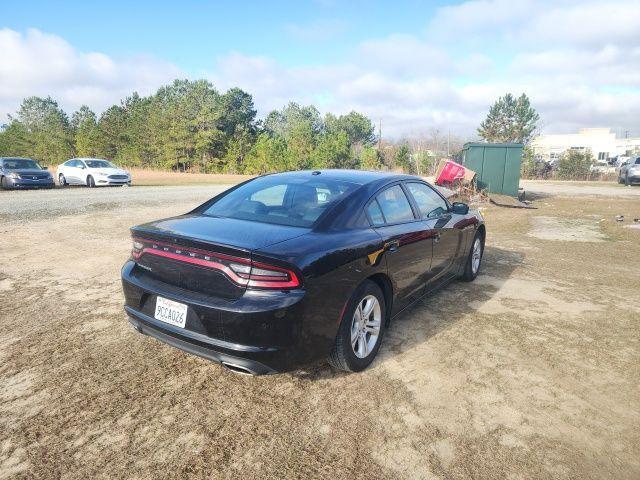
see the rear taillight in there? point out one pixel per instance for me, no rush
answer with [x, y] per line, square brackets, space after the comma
[241, 271]
[270, 276]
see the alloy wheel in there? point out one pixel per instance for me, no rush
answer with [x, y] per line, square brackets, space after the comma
[365, 326]
[476, 256]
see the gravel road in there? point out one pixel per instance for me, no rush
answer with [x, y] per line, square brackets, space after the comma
[28, 205]
[576, 189]
[20, 206]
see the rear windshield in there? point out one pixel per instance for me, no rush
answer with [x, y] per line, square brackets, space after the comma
[20, 163]
[98, 164]
[296, 202]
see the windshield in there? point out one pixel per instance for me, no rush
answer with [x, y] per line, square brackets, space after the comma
[99, 164]
[296, 202]
[20, 164]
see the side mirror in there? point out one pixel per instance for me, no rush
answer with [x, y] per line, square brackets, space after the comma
[460, 208]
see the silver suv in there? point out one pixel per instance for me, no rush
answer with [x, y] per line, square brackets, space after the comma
[629, 172]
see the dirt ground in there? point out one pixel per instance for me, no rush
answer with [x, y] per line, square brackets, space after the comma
[531, 371]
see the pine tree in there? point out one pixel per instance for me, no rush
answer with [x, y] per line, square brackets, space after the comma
[510, 120]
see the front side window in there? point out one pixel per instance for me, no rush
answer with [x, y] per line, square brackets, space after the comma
[431, 204]
[394, 205]
[293, 201]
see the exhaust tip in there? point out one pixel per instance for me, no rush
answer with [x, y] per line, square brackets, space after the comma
[238, 369]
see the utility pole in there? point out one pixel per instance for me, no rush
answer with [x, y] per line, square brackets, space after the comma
[448, 140]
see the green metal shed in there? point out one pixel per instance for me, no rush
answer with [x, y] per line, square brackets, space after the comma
[497, 165]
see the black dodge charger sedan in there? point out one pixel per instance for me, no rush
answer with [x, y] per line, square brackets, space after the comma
[287, 269]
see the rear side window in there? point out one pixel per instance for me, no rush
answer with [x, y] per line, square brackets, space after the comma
[431, 204]
[375, 214]
[394, 205]
[293, 201]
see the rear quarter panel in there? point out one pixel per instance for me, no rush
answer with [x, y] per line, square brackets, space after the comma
[332, 266]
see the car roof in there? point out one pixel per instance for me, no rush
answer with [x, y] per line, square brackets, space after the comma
[360, 177]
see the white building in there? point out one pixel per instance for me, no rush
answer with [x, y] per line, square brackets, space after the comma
[601, 142]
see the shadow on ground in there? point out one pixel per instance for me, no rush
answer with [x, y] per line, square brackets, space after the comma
[436, 311]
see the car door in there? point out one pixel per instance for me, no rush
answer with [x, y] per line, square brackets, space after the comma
[407, 245]
[70, 172]
[82, 172]
[440, 223]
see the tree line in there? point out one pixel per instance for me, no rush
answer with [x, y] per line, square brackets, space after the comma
[190, 126]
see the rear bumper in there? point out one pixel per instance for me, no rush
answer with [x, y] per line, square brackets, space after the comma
[260, 332]
[215, 352]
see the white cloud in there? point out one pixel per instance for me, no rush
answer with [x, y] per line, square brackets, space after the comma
[36, 63]
[579, 62]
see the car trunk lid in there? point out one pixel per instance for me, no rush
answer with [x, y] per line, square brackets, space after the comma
[210, 255]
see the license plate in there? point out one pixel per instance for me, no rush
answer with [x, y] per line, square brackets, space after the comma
[171, 312]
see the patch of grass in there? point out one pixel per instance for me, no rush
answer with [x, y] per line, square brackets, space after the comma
[157, 177]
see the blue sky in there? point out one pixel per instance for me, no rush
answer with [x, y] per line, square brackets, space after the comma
[193, 34]
[419, 66]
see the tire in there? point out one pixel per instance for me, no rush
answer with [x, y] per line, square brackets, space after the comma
[626, 181]
[90, 182]
[358, 355]
[62, 181]
[3, 184]
[474, 260]
[620, 179]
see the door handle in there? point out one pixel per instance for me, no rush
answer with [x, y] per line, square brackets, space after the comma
[436, 237]
[392, 246]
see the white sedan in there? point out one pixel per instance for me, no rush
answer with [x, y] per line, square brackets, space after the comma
[92, 172]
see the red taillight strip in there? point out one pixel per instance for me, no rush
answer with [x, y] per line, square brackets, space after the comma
[252, 280]
[197, 261]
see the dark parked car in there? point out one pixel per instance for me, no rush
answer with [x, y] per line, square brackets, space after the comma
[23, 173]
[290, 268]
